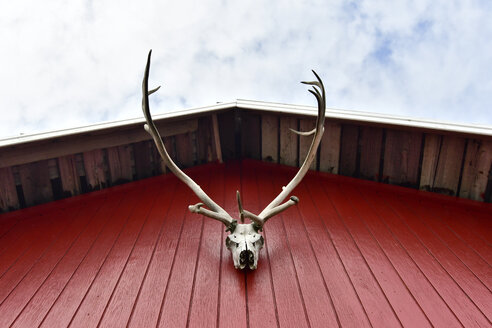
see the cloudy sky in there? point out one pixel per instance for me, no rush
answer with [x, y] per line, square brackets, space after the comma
[72, 63]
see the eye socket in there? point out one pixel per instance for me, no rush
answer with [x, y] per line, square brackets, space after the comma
[237, 245]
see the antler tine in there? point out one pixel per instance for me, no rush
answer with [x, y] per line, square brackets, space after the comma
[215, 211]
[275, 207]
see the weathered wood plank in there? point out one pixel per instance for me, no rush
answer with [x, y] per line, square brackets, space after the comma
[370, 143]
[402, 157]
[449, 166]
[330, 148]
[216, 144]
[184, 150]
[8, 191]
[349, 149]
[53, 148]
[120, 164]
[250, 135]
[69, 175]
[478, 160]
[36, 183]
[430, 159]
[95, 169]
[288, 141]
[269, 138]
[305, 142]
[227, 127]
[142, 153]
[205, 140]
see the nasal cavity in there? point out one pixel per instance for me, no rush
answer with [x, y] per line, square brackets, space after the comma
[246, 256]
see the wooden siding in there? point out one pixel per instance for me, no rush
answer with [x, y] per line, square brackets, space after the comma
[443, 162]
[351, 253]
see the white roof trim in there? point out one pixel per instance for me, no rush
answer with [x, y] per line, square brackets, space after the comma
[340, 114]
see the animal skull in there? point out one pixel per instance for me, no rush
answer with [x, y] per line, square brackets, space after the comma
[244, 241]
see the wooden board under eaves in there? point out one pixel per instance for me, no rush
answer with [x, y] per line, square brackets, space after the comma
[402, 153]
[442, 162]
[94, 166]
[349, 150]
[269, 138]
[305, 142]
[288, 141]
[250, 136]
[476, 169]
[8, 192]
[69, 175]
[370, 142]
[36, 183]
[329, 156]
[120, 164]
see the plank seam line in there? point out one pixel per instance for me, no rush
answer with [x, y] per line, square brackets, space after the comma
[389, 260]
[364, 258]
[153, 252]
[172, 267]
[316, 258]
[71, 276]
[192, 292]
[20, 281]
[220, 262]
[412, 259]
[458, 235]
[295, 271]
[49, 225]
[123, 270]
[447, 244]
[57, 263]
[42, 257]
[268, 254]
[245, 274]
[338, 256]
[429, 251]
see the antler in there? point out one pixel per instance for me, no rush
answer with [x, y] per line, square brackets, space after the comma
[215, 211]
[275, 207]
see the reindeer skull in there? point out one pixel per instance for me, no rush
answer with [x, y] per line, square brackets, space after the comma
[245, 241]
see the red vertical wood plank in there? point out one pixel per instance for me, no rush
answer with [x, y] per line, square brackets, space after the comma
[433, 218]
[94, 303]
[463, 308]
[16, 272]
[290, 304]
[453, 219]
[345, 300]
[120, 305]
[429, 300]
[368, 290]
[232, 305]
[261, 301]
[151, 295]
[204, 299]
[467, 281]
[66, 304]
[19, 239]
[12, 306]
[175, 307]
[47, 294]
[316, 298]
[399, 297]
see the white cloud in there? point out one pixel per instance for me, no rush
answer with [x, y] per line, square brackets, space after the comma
[72, 63]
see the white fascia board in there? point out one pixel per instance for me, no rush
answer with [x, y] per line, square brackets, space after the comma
[375, 118]
[338, 114]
